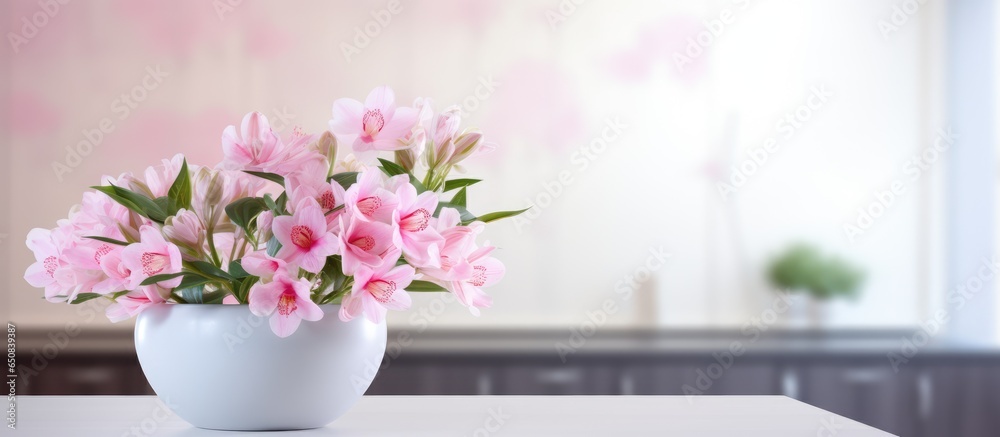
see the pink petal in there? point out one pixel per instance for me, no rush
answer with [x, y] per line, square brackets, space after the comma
[308, 310]
[388, 143]
[311, 261]
[347, 115]
[311, 216]
[407, 195]
[255, 127]
[400, 301]
[448, 218]
[373, 311]
[362, 276]
[403, 121]
[283, 326]
[381, 98]
[232, 147]
[401, 275]
[259, 264]
[264, 298]
[37, 276]
[350, 307]
[494, 270]
[282, 228]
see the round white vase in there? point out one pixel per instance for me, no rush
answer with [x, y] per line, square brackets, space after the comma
[221, 367]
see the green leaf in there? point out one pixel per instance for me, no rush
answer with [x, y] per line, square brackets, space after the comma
[193, 294]
[112, 192]
[332, 273]
[345, 179]
[280, 203]
[459, 198]
[494, 216]
[422, 286]
[167, 205]
[210, 269]
[391, 168]
[244, 289]
[214, 297]
[464, 214]
[83, 297]
[242, 212]
[193, 281]
[417, 184]
[142, 205]
[269, 201]
[273, 246]
[276, 178]
[177, 297]
[459, 183]
[107, 240]
[236, 270]
[180, 191]
[160, 278]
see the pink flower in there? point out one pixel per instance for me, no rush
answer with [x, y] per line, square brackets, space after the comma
[469, 144]
[186, 230]
[216, 188]
[262, 265]
[91, 258]
[295, 154]
[160, 178]
[363, 242]
[376, 290]
[446, 125]
[116, 272]
[375, 125]
[464, 269]
[291, 299]
[100, 215]
[304, 239]
[458, 241]
[48, 260]
[476, 271]
[134, 302]
[414, 233]
[368, 199]
[151, 256]
[255, 147]
[311, 182]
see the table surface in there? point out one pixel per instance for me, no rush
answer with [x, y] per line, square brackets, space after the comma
[706, 416]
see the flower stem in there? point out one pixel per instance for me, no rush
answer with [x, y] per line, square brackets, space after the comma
[211, 248]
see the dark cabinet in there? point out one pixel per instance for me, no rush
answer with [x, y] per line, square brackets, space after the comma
[965, 400]
[702, 377]
[872, 393]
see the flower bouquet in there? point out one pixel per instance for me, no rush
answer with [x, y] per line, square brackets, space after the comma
[283, 226]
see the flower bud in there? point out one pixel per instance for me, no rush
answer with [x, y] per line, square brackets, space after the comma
[416, 143]
[465, 145]
[446, 125]
[186, 230]
[326, 145]
[264, 221]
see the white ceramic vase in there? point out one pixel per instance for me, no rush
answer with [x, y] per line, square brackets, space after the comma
[221, 367]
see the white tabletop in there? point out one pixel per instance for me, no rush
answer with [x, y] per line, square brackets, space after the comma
[480, 416]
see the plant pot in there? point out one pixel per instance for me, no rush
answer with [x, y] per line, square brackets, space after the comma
[221, 367]
[807, 312]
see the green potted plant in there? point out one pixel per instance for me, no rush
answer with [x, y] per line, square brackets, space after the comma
[804, 269]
